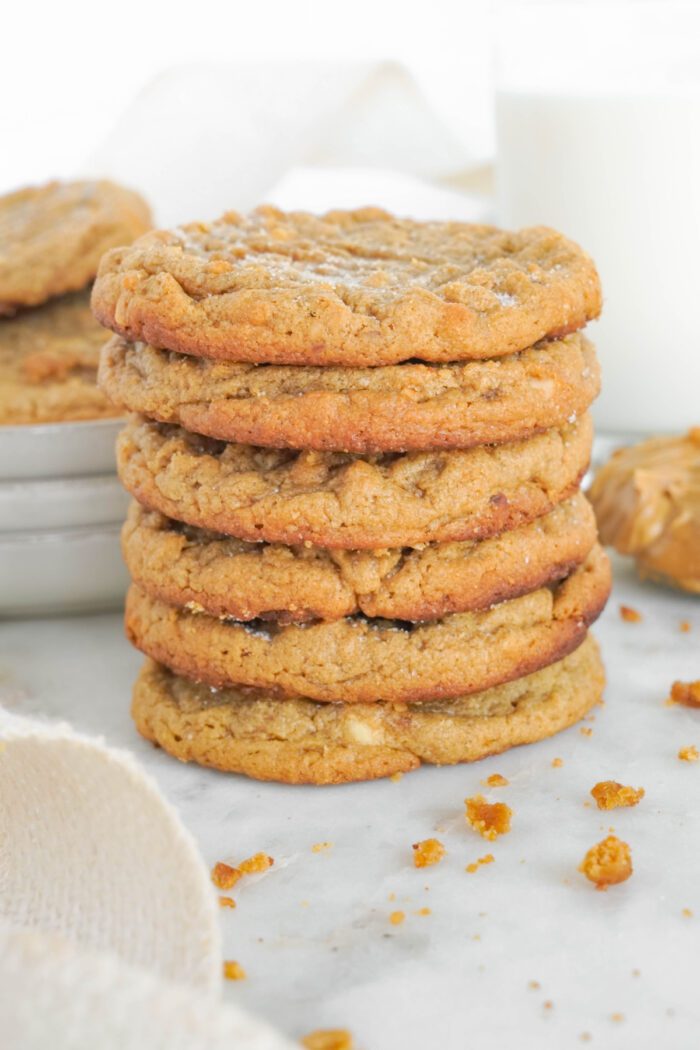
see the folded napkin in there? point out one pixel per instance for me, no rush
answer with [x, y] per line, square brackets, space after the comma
[109, 934]
[205, 138]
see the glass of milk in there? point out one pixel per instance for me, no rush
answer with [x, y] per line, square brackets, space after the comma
[598, 125]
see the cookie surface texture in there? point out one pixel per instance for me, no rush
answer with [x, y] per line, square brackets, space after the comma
[349, 288]
[302, 742]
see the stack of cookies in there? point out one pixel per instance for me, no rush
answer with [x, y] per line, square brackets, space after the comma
[61, 504]
[51, 240]
[358, 541]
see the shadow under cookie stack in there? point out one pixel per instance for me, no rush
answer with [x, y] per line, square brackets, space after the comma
[358, 541]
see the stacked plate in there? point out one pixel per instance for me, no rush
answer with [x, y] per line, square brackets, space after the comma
[61, 507]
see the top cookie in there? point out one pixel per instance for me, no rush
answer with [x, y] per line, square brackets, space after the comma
[52, 237]
[351, 288]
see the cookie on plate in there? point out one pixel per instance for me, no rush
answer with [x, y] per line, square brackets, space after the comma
[647, 501]
[333, 499]
[359, 660]
[53, 236]
[301, 742]
[349, 288]
[48, 364]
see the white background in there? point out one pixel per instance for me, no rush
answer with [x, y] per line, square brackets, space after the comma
[69, 70]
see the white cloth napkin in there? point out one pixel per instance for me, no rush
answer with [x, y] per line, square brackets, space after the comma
[202, 139]
[108, 921]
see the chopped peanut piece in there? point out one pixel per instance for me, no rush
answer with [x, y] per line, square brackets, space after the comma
[496, 781]
[488, 859]
[233, 971]
[685, 693]
[490, 819]
[607, 863]
[689, 754]
[328, 1039]
[224, 876]
[427, 852]
[259, 862]
[609, 794]
[630, 615]
[227, 902]
[557, 763]
[397, 917]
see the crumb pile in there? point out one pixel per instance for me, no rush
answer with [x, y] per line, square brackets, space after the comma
[52, 237]
[357, 541]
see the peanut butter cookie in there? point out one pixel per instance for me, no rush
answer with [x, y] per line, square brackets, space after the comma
[333, 499]
[647, 500]
[207, 572]
[392, 408]
[355, 660]
[48, 364]
[349, 288]
[301, 742]
[52, 237]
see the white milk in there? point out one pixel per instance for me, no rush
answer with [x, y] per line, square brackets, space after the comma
[614, 162]
[621, 175]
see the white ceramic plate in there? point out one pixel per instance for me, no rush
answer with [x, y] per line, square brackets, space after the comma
[61, 503]
[71, 570]
[58, 449]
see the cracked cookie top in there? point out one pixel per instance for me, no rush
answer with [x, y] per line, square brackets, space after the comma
[350, 288]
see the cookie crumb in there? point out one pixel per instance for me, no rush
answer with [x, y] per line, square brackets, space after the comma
[585, 1037]
[396, 777]
[689, 754]
[487, 859]
[586, 731]
[548, 1004]
[423, 911]
[684, 626]
[630, 615]
[328, 1039]
[490, 819]
[224, 876]
[496, 781]
[427, 852]
[258, 862]
[233, 971]
[609, 794]
[534, 985]
[617, 1018]
[557, 763]
[685, 693]
[227, 902]
[397, 917]
[319, 847]
[607, 863]
[687, 913]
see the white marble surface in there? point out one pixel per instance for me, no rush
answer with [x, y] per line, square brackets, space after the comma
[313, 933]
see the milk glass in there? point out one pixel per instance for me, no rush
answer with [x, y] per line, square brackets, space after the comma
[598, 124]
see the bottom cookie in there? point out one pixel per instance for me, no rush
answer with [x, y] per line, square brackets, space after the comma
[299, 741]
